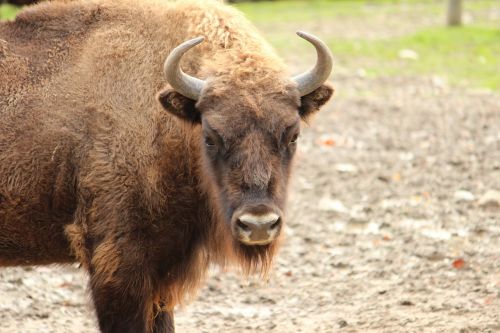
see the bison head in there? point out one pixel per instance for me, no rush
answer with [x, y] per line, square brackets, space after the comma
[249, 134]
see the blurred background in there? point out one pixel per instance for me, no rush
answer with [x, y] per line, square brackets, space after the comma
[394, 213]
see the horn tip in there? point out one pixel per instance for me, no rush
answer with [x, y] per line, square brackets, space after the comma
[197, 40]
[303, 34]
[307, 36]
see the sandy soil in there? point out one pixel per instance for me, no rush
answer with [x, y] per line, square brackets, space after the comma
[386, 232]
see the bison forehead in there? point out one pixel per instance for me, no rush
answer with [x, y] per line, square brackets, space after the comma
[238, 124]
[239, 112]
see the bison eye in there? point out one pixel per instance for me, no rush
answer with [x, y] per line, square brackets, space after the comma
[294, 138]
[209, 141]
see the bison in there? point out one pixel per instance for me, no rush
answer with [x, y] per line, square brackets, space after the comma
[146, 176]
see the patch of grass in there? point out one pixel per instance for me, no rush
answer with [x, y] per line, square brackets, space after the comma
[8, 12]
[463, 55]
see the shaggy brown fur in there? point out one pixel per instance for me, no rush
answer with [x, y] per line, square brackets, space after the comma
[93, 168]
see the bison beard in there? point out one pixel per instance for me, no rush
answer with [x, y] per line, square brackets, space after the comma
[256, 258]
[146, 177]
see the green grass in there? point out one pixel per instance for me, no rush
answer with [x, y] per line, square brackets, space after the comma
[8, 12]
[466, 55]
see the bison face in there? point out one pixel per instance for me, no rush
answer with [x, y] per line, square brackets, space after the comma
[250, 122]
[247, 145]
[248, 152]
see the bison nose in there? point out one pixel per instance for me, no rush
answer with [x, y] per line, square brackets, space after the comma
[255, 229]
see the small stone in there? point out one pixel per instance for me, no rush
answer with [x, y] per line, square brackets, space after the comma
[436, 233]
[43, 315]
[342, 323]
[407, 156]
[430, 253]
[359, 219]
[464, 196]
[436, 256]
[406, 303]
[438, 81]
[332, 205]
[361, 72]
[268, 300]
[339, 264]
[408, 54]
[384, 178]
[17, 281]
[490, 199]
[345, 168]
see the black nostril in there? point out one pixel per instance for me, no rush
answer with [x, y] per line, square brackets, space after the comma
[275, 224]
[242, 225]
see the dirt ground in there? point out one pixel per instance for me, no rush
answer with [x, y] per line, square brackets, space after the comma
[390, 228]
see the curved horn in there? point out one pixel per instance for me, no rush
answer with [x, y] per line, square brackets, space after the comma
[311, 80]
[183, 83]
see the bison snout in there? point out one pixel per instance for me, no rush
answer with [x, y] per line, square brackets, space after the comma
[257, 229]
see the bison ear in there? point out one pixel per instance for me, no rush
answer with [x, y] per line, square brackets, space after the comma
[180, 106]
[312, 102]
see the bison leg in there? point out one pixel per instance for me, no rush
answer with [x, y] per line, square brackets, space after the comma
[164, 322]
[127, 306]
[122, 287]
[118, 308]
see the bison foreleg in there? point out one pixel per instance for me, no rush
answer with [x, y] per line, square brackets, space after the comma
[119, 308]
[122, 286]
[164, 322]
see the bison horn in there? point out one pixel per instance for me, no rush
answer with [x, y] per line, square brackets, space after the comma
[311, 80]
[183, 83]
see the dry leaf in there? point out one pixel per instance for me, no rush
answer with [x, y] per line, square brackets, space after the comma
[327, 142]
[489, 300]
[458, 263]
[396, 177]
